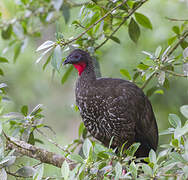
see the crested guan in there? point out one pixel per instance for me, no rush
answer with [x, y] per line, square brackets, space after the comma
[113, 107]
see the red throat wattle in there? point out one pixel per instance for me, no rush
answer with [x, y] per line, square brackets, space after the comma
[80, 67]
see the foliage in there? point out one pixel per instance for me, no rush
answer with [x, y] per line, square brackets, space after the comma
[97, 23]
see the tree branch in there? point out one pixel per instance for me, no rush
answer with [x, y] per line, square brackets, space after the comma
[184, 35]
[37, 153]
[124, 20]
[169, 53]
[148, 80]
[173, 19]
[90, 27]
[175, 74]
[53, 142]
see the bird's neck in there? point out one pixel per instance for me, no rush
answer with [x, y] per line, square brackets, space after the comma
[87, 76]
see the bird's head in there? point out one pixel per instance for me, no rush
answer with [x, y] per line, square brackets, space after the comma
[79, 59]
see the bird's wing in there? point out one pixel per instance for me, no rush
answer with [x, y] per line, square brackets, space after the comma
[147, 127]
[134, 110]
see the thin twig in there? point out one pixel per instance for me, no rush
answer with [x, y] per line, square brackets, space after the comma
[148, 80]
[185, 34]
[53, 142]
[175, 74]
[124, 20]
[90, 27]
[19, 176]
[173, 19]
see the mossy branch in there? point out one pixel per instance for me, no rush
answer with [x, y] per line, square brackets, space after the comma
[40, 154]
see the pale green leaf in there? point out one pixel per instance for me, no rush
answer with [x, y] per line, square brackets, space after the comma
[174, 120]
[45, 45]
[184, 110]
[86, 147]
[152, 156]
[65, 170]
[39, 173]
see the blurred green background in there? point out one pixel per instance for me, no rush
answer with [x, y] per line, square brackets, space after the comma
[29, 84]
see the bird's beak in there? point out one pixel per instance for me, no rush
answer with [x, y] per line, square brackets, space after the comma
[66, 61]
[70, 60]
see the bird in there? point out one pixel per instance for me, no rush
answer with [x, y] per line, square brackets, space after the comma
[113, 109]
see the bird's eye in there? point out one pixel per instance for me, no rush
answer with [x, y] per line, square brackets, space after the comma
[76, 56]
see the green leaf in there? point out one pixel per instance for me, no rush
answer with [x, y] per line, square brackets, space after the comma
[24, 110]
[125, 73]
[57, 58]
[134, 30]
[147, 170]
[143, 20]
[184, 44]
[45, 45]
[158, 51]
[43, 54]
[152, 156]
[81, 129]
[148, 54]
[7, 32]
[36, 110]
[148, 61]
[133, 170]
[39, 173]
[184, 110]
[66, 13]
[185, 68]
[171, 40]
[176, 30]
[159, 91]
[76, 157]
[132, 149]
[161, 78]
[17, 50]
[1, 72]
[25, 171]
[7, 161]
[66, 74]
[31, 139]
[47, 62]
[166, 83]
[175, 142]
[103, 155]
[151, 91]
[3, 60]
[3, 174]
[118, 170]
[177, 157]
[180, 131]
[57, 4]
[76, 108]
[142, 66]
[65, 170]
[1, 128]
[86, 147]
[115, 39]
[185, 53]
[174, 120]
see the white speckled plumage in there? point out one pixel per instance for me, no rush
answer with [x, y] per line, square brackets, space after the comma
[115, 108]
